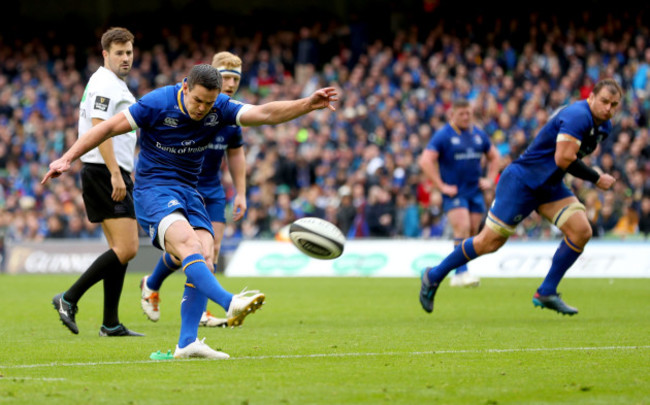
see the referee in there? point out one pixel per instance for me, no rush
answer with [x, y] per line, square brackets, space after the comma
[107, 186]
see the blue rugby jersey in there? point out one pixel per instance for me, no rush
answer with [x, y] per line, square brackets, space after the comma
[209, 186]
[536, 166]
[459, 156]
[172, 145]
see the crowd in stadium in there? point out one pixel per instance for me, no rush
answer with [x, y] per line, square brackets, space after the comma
[356, 167]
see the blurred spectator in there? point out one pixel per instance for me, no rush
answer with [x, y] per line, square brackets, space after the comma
[396, 90]
[346, 210]
[407, 215]
[380, 213]
[644, 220]
[607, 219]
[628, 223]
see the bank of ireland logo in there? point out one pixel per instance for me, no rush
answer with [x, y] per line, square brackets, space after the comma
[188, 142]
[356, 264]
[172, 203]
[281, 265]
[428, 260]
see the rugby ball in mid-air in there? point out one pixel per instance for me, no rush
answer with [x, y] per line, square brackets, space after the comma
[317, 238]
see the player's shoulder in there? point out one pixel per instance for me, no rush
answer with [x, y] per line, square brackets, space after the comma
[444, 131]
[224, 101]
[477, 129]
[577, 114]
[578, 109]
[103, 81]
[161, 97]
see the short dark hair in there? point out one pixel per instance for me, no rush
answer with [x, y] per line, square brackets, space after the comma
[611, 84]
[460, 103]
[204, 75]
[116, 34]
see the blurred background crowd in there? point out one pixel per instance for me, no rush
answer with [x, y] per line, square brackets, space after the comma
[356, 167]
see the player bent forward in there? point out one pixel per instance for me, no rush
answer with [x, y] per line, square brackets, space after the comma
[176, 125]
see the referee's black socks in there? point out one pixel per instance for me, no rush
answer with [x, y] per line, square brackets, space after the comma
[105, 264]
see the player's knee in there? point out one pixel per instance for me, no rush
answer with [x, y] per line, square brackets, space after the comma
[487, 245]
[580, 235]
[130, 252]
[126, 252]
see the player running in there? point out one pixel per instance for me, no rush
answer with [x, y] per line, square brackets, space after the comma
[534, 182]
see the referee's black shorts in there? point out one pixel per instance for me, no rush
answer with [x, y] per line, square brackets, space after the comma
[97, 189]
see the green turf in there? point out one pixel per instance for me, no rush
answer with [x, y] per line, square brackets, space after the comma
[337, 341]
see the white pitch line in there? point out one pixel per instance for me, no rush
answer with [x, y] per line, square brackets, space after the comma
[325, 355]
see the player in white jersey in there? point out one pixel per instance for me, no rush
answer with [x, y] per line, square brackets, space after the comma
[177, 123]
[107, 185]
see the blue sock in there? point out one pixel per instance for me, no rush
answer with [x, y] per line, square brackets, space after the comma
[215, 273]
[565, 255]
[463, 267]
[462, 254]
[191, 311]
[199, 275]
[163, 269]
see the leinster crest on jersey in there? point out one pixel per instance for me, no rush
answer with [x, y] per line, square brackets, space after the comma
[211, 120]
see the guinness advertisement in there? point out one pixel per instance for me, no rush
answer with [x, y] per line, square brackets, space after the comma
[75, 255]
[52, 256]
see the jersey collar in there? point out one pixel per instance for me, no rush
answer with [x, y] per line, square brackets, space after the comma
[180, 98]
[455, 128]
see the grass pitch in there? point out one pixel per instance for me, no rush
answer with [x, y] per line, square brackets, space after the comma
[337, 341]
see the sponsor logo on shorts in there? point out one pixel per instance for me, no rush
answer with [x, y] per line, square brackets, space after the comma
[101, 103]
[173, 203]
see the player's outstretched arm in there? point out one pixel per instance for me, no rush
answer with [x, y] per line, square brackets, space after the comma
[116, 125]
[277, 112]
